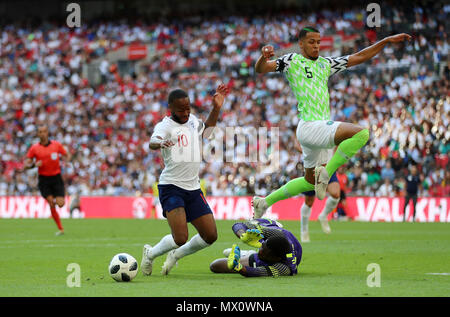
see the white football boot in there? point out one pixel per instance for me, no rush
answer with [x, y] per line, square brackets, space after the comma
[305, 237]
[259, 207]
[169, 263]
[324, 223]
[146, 263]
[322, 179]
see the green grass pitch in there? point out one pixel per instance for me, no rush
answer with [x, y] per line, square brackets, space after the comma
[34, 261]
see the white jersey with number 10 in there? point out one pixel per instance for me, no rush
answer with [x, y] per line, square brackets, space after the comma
[181, 161]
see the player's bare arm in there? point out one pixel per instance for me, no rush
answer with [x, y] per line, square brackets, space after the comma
[160, 143]
[218, 100]
[264, 64]
[369, 52]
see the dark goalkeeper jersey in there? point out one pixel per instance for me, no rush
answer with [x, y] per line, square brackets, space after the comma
[269, 229]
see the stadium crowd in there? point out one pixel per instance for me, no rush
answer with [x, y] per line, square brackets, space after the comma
[402, 95]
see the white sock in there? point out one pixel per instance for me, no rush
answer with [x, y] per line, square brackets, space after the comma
[165, 245]
[329, 206]
[195, 244]
[304, 222]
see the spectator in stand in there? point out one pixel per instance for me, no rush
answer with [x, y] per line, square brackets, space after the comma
[387, 172]
[386, 189]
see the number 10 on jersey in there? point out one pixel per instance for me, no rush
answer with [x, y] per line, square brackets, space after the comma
[182, 140]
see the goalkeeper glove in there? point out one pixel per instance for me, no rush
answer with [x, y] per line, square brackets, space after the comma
[252, 237]
[234, 258]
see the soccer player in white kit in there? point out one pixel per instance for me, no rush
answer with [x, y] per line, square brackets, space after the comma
[179, 138]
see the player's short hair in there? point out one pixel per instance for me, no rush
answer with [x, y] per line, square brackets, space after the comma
[279, 246]
[305, 31]
[177, 94]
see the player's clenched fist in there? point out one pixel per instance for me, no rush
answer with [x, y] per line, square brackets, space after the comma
[268, 51]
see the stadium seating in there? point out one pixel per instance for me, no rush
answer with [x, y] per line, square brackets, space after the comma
[402, 96]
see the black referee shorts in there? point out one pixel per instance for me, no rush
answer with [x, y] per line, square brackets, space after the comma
[343, 195]
[51, 186]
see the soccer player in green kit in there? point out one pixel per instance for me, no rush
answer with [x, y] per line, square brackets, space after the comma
[308, 74]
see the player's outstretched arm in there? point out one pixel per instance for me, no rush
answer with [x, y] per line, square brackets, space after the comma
[264, 64]
[218, 100]
[369, 52]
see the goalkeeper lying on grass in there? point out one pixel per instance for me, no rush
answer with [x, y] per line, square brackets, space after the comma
[279, 251]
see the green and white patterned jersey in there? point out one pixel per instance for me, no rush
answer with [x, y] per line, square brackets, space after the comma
[308, 80]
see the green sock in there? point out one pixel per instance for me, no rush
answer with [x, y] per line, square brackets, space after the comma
[291, 189]
[346, 150]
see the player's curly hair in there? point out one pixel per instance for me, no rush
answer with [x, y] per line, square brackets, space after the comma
[279, 246]
[176, 94]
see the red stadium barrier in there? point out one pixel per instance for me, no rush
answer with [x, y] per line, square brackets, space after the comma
[116, 207]
[28, 207]
[91, 207]
[358, 208]
[137, 51]
[428, 209]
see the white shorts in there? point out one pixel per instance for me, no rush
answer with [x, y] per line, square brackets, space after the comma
[317, 141]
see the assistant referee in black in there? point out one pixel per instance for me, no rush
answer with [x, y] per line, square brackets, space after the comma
[413, 184]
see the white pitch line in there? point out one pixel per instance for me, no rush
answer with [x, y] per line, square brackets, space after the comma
[65, 239]
[74, 245]
[90, 245]
[437, 273]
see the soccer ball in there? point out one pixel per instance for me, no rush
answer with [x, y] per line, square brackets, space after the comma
[123, 267]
